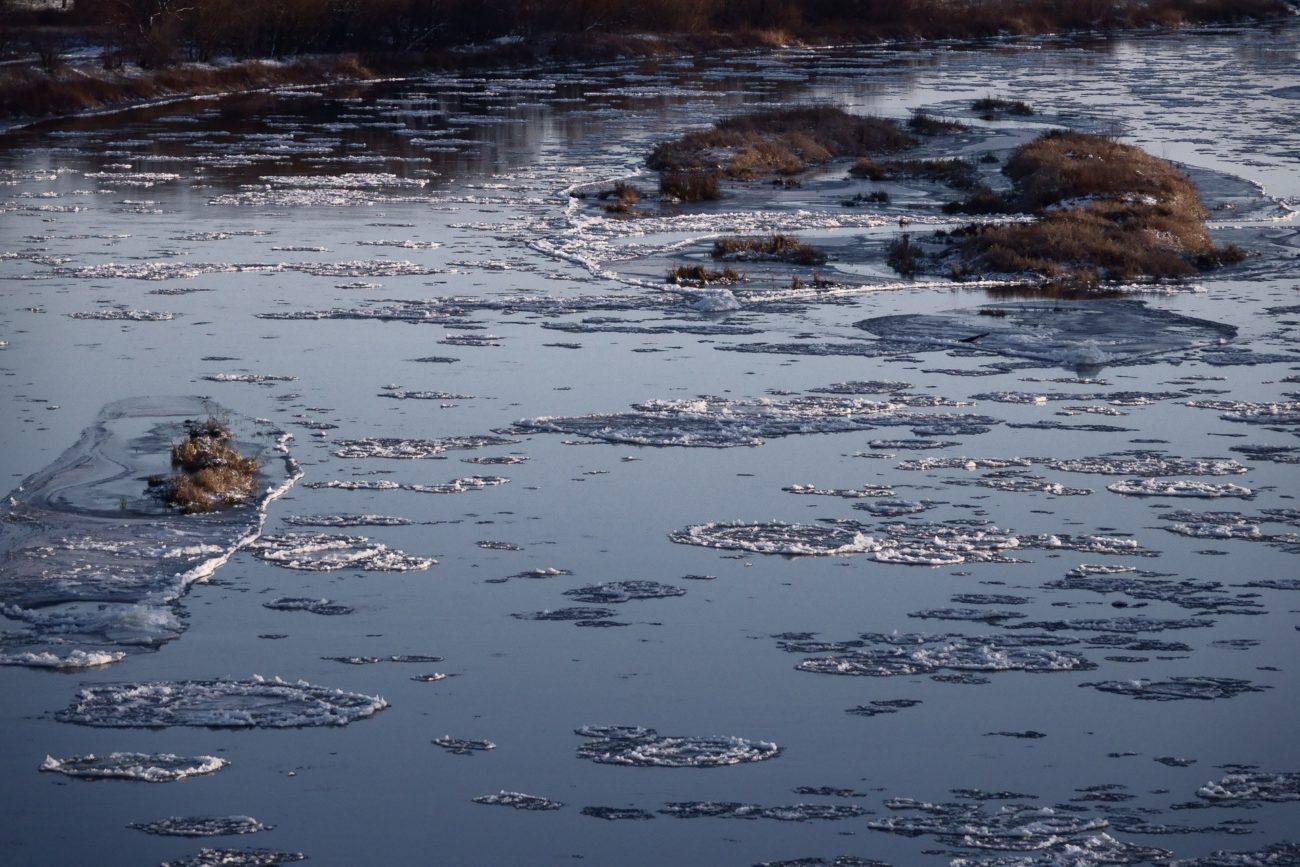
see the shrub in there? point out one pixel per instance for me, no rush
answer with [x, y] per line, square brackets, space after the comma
[904, 256]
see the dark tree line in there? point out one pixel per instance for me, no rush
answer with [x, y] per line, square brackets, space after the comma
[155, 33]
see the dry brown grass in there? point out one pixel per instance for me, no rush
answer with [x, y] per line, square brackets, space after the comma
[213, 474]
[783, 248]
[778, 142]
[1105, 211]
[691, 185]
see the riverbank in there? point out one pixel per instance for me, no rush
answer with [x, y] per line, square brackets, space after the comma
[53, 81]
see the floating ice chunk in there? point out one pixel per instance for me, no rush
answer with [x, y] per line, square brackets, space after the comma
[201, 826]
[1150, 466]
[357, 485]
[617, 813]
[255, 378]
[715, 422]
[847, 493]
[326, 553]
[1093, 851]
[459, 486]
[306, 603]
[1079, 334]
[402, 394]
[776, 538]
[714, 300]
[577, 614]
[974, 615]
[624, 591]
[218, 703]
[1178, 688]
[734, 810]
[346, 521]
[1284, 854]
[1246, 788]
[1180, 488]
[892, 657]
[519, 801]
[73, 659]
[964, 463]
[643, 747]
[124, 315]
[386, 447]
[463, 746]
[1125, 625]
[142, 767]
[237, 858]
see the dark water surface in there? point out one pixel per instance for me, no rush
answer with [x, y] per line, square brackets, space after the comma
[1029, 603]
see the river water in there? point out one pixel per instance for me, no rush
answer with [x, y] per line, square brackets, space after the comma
[842, 590]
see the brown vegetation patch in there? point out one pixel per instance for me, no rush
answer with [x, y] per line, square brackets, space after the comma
[691, 185]
[779, 142]
[698, 275]
[213, 474]
[1104, 211]
[782, 248]
[923, 123]
[623, 198]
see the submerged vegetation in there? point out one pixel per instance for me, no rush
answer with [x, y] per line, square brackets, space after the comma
[213, 474]
[780, 142]
[698, 275]
[780, 248]
[1103, 210]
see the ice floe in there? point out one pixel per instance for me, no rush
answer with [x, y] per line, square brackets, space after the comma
[201, 826]
[1078, 334]
[875, 655]
[237, 858]
[1178, 688]
[643, 747]
[308, 604]
[519, 801]
[259, 703]
[329, 553]
[141, 767]
[735, 810]
[624, 591]
[1252, 787]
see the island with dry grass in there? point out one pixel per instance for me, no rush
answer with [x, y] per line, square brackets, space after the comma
[212, 473]
[1102, 211]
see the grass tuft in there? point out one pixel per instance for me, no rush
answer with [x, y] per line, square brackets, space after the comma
[698, 275]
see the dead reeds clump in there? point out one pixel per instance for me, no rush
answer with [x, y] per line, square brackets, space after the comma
[781, 248]
[213, 474]
[990, 107]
